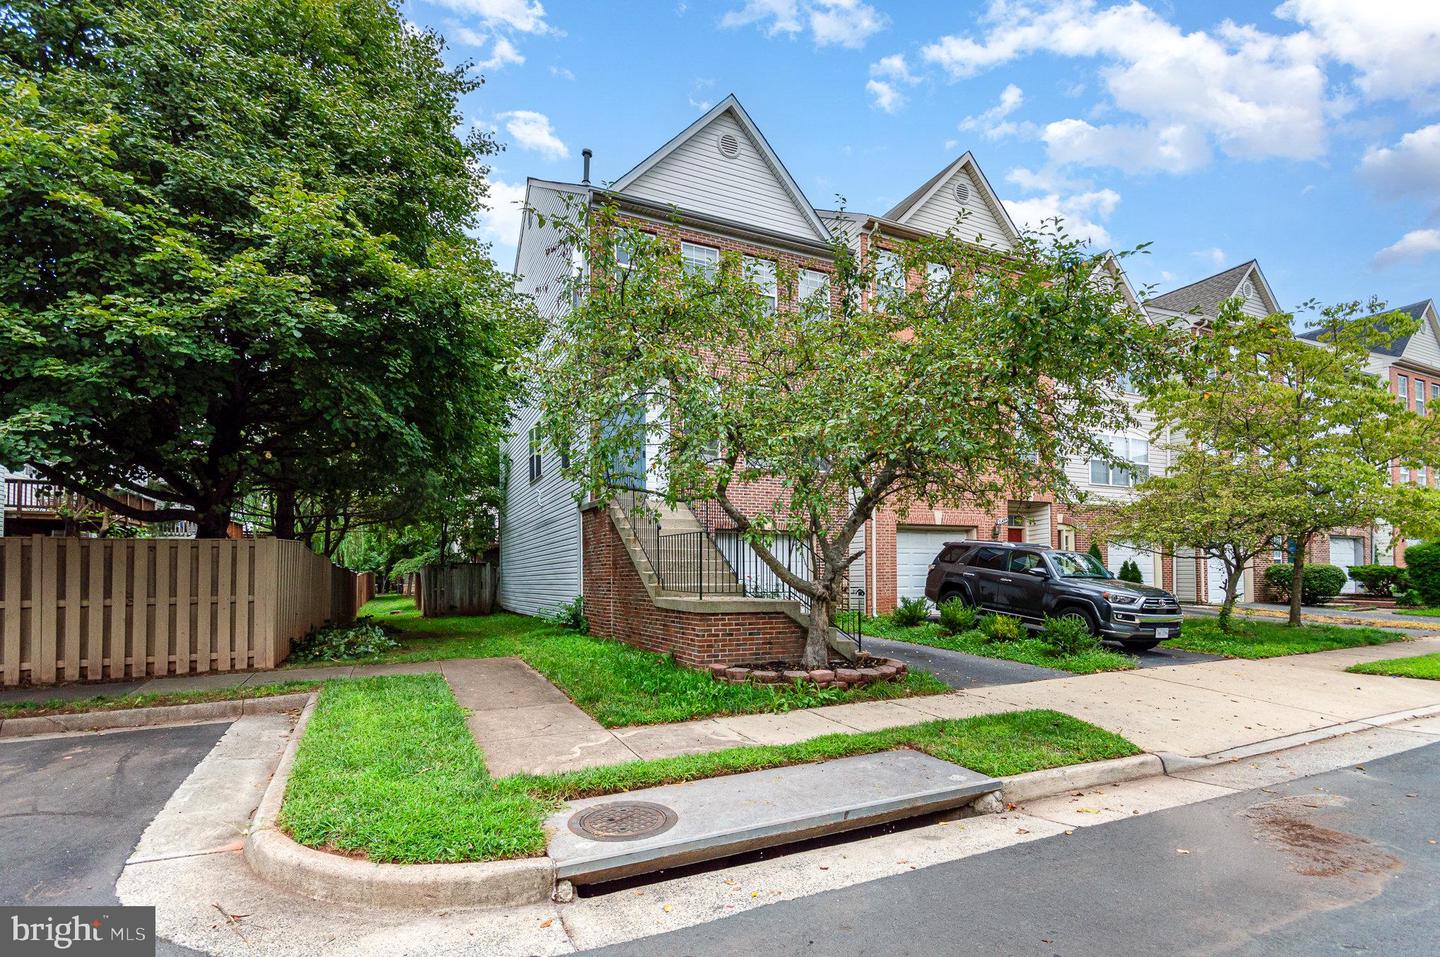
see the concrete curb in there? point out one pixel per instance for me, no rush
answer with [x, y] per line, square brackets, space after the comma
[197, 713]
[343, 880]
[1040, 784]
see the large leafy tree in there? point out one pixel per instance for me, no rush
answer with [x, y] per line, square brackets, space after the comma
[1282, 438]
[236, 256]
[975, 386]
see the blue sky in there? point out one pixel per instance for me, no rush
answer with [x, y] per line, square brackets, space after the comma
[1303, 133]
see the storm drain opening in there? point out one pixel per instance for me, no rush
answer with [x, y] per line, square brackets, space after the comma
[622, 821]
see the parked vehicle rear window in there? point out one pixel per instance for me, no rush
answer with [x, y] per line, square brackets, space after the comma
[990, 557]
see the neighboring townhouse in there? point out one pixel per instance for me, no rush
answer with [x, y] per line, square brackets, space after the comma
[1411, 366]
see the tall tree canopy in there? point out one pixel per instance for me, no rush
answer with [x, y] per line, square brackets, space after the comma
[236, 255]
[979, 383]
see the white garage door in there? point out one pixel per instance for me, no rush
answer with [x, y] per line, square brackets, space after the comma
[1122, 552]
[915, 549]
[1345, 551]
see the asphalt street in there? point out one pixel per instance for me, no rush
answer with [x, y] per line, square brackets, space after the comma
[73, 808]
[1342, 863]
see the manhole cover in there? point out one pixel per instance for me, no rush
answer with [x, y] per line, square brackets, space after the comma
[622, 821]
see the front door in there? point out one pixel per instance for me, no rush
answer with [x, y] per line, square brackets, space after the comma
[1014, 533]
[1022, 593]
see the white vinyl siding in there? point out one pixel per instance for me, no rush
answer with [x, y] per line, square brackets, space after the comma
[1423, 348]
[1254, 304]
[696, 177]
[1185, 574]
[915, 549]
[938, 214]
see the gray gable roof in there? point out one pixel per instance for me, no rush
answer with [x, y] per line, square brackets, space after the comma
[1206, 295]
[1396, 349]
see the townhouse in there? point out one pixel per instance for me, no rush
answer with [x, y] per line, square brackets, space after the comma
[718, 186]
[1411, 366]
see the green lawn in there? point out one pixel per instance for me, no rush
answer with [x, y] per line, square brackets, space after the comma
[388, 770]
[1253, 638]
[1420, 666]
[38, 707]
[1031, 651]
[614, 683]
[1417, 612]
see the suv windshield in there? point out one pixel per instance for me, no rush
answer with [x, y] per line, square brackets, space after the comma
[1078, 565]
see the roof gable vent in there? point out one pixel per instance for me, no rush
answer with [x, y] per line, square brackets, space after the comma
[962, 193]
[729, 145]
[1247, 289]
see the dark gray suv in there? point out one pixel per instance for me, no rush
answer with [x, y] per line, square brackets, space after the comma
[1032, 582]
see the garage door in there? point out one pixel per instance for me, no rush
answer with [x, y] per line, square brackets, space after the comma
[1122, 552]
[1345, 551]
[915, 549]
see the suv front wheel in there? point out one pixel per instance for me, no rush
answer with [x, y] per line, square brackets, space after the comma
[1080, 614]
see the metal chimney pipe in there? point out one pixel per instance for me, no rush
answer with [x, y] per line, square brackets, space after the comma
[585, 177]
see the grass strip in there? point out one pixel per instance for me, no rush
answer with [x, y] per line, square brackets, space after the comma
[1419, 666]
[1263, 639]
[616, 684]
[1030, 651]
[388, 770]
[37, 709]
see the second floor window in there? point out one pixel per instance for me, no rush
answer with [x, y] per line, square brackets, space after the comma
[702, 259]
[1420, 396]
[1402, 389]
[889, 277]
[937, 279]
[762, 273]
[536, 445]
[1134, 452]
[812, 282]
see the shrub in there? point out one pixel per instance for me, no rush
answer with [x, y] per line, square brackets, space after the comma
[1068, 636]
[1130, 572]
[956, 617]
[1423, 563]
[363, 639]
[1095, 552]
[1001, 628]
[1319, 583]
[570, 614]
[911, 612]
[1410, 599]
[1381, 581]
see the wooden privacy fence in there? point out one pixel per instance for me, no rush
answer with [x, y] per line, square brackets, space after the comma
[74, 609]
[467, 589]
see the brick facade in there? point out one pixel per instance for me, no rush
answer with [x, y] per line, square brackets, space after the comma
[619, 607]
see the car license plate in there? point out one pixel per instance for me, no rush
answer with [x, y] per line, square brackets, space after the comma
[1162, 633]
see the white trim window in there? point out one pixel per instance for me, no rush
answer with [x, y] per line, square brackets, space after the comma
[1419, 389]
[762, 273]
[889, 277]
[1134, 451]
[937, 279]
[1402, 390]
[813, 282]
[702, 259]
[1404, 475]
[536, 447]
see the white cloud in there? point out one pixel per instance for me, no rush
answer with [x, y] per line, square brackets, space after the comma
[1409, 168]
[1214, 256]
[1236, 88]
[846, 23]
[1080, 212]
[532, 131]
[499, 225]
[992, 124]
[1413, 247]
[887, 75]
[1391, 46]
[561, 73]
[523, 16]
[501, 53]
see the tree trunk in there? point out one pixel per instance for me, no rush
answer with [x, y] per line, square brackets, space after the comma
[817, 645]
[284, 513]
[213, 522]
[1232, 586]
[1297, 579]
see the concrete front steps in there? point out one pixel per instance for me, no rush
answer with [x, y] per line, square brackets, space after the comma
[720, 817]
